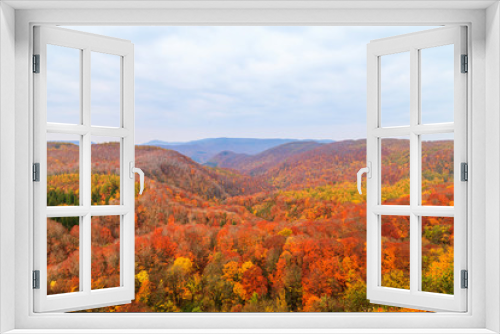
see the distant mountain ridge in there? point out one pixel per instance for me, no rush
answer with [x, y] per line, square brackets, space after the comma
[203, 150]
[259, 163]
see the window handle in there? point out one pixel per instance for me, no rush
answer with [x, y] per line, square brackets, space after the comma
[139, 171]
[368, 171]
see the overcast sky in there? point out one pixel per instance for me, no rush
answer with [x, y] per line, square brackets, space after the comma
[262, 82]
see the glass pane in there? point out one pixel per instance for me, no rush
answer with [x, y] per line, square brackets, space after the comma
[395, 89]
[437, 84]
[63, 85]
[63, 166]
[396, 252]
[105, 170]
[437, 169]
[395, 171]
[63, 255]
[105, 89]
[437, 254]
[105, 252]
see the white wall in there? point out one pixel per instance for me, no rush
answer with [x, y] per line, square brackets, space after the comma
[7, 160]
[492, 165]
[23, 219]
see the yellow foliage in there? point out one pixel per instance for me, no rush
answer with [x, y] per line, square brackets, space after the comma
[142, 276]
[286, 232]
[184, 263]
[230, 271]
[396, 278]
[245, 266]
[238, 290]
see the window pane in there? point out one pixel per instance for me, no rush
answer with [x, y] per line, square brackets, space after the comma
[395, 89]
[437, 254]
[105, 252]
[437, 169]
[395, 171]
[106, 170]
[437, 84]
[63, 166]
[63, 85]
[396, 251]
[63, 255]
[105, 89]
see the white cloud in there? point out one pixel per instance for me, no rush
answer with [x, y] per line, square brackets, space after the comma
[300, 82]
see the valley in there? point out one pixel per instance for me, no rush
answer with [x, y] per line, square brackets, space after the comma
[280, 229]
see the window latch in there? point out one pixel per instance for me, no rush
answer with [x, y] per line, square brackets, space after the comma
[132, 170]
[368, 171]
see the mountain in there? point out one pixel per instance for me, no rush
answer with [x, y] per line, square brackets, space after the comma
[260, 163]
[161, 142]
[301, 164]
[325, 164]
[182, 173]
[229, 159]
[203, 150]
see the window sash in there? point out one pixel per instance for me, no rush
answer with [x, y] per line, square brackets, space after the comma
[414, 297]
[85, 298]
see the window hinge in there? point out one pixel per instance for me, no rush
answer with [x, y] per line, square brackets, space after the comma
[465, 64]
[465, 279]
[464, 171]
[36, 63]
[36, 279]
[36, 172]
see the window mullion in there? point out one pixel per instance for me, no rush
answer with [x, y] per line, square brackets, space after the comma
[414, 171]
[86, 87]
[86, 169]
[86, 251]
[85, 159]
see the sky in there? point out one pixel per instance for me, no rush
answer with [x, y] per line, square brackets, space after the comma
[254, 82]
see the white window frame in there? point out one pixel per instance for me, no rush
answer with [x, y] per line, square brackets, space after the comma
[85, 297]
[483, 103]
[413, 44]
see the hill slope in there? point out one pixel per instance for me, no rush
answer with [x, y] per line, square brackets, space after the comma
[259, 164]
[178, 171]
[335, 162]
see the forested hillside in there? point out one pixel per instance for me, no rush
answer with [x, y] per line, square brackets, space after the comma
[260, 163]
[280, 231]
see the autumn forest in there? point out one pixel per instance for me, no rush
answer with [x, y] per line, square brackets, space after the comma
[283, 230]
